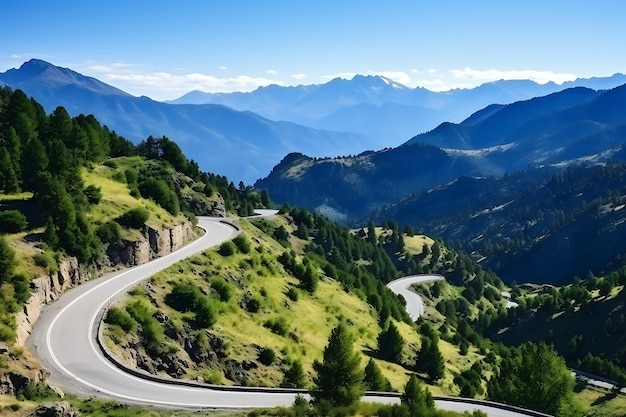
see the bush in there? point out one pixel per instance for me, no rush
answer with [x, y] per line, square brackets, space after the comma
[47, 261]
[267, 356]
[277, 326]
[121, 318]
[292, 294]
[227, 248]
[222, 288]
[109, 232]
[160, 192]
[134, 218]
[206, 312]
[36, 391]
[12, 221]
[253, 305]
[242, 243]
[93, 194]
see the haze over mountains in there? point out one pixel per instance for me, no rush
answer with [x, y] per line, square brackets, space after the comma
[384, 110]
[346, 117]
[570, 126]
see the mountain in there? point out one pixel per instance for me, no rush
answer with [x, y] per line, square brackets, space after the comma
[560, 129]
[348, 187]
[239, 145]
[558, 224]
[382, 109]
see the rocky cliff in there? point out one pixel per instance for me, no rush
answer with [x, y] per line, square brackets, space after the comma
[153, 244]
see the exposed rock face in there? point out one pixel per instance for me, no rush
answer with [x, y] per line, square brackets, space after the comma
[154, 243]
[11, 383]
[60, 409]
[45, 290]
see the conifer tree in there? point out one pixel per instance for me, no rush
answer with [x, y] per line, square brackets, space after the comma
[339, 380]
[294, 377]
[417, 398]
[390, 344]
[374, 379]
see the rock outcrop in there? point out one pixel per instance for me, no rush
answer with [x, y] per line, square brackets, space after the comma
[59, 409]
[153, 244]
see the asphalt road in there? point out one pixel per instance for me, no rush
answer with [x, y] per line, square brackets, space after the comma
[64, 340]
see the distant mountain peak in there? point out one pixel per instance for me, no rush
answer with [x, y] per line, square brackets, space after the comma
[39, 74]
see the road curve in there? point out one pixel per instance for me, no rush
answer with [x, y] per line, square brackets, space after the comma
[64, 339]
[414, 303]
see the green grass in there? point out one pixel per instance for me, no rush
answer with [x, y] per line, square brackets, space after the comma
[305, 324]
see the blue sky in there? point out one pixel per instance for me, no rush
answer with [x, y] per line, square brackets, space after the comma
[163, 49]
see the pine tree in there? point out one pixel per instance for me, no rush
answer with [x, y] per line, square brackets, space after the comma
[374, 379]
[294, 377]
[429, 358]
[390, 344]
[417, 398]
[339, 380]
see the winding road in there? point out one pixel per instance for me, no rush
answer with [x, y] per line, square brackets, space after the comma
[63, 338]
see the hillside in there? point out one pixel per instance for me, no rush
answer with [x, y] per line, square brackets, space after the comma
[275, 290]
[77, 200]
[348, 187]
[558, 224]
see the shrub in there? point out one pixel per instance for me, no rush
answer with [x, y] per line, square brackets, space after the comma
[47, 261]
[267, 356]
[222, 288]
[206, 312]
[253, 305]
[227, 248]
[183, 296]
[12, 221]
[134, 218]
[109, 232]
[160, 192]
[142, 311]
[292, 294]
[277, 326]
[242, 243]
[121, 318]
[36, 391]
[93, 194]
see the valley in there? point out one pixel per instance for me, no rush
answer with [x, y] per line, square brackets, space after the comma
[523, 199]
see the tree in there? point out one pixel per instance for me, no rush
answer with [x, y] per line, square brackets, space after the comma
[7, 261]
[390, 344]
[417, 398]
[294, 377]
[339, 380]
[374, 379]
[12, 221]
[429, 358]
[534, 376]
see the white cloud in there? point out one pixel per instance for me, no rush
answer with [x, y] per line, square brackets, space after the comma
[432, 71]
[164, 85]
[299, 76]
[271, 72]
[223, 67]
[541, 77]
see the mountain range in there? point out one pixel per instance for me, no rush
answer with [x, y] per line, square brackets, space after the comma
[385, 111]
[243, 135]
[574, 125]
